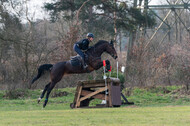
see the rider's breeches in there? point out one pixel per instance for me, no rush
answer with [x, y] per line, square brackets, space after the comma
[78, 50]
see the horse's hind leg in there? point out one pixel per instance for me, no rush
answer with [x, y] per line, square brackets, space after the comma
[44, 91]
[52, 85]
[57, 73]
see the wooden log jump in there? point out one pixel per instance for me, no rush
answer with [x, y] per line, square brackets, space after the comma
[95, 89]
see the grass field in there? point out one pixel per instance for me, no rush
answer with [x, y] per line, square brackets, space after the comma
[147, 116]
[152, 108]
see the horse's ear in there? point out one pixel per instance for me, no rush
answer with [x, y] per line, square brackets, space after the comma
[111, 42]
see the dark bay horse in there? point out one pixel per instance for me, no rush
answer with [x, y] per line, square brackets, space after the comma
[58, 70]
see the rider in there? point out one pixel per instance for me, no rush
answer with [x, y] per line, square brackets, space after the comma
[82, 46]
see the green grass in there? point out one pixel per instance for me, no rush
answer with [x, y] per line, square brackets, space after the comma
[153, 107]
[157, 96]
[147, 116]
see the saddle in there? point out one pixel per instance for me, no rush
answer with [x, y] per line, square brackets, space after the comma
[77, 60]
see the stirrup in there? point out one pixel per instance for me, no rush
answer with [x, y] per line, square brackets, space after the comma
[85, 66]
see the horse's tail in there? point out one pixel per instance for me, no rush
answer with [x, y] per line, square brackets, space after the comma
[41, 71]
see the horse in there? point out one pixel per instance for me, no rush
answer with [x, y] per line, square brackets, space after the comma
[74, 66]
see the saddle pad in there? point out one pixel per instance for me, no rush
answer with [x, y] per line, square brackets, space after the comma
[76, 61]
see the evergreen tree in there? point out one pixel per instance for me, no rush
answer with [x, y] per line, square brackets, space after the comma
[98, 15]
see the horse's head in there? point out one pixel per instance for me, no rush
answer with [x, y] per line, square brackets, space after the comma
[103, 46]
[111, 50]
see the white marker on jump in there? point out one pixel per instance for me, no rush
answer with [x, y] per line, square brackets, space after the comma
[117, 69]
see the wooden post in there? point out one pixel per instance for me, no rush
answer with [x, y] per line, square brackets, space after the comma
[109, 95]
[78, 96]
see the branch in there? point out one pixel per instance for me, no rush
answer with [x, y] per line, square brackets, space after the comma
[10, 40]
[104, 15]
[80, 10]
[13, 7]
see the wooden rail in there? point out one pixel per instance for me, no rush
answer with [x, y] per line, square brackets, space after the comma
[95, 89]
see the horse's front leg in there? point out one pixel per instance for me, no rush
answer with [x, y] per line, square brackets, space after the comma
[108, 65]
[99, 64]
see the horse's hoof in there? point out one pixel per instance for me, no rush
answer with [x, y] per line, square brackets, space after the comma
[44, 105]
[39, 99]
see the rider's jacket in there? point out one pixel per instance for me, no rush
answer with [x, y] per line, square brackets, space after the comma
[83, 44]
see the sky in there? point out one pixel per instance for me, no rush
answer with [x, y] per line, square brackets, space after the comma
[36, 8]
[156, 2]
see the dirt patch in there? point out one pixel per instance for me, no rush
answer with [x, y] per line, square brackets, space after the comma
[15, 94]
[59, 94]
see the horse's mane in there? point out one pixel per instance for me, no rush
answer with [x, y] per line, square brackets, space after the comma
[100, 42]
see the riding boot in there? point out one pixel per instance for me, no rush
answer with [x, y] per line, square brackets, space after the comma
[84, 65]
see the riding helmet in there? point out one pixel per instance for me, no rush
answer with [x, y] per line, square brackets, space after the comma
[90, 35]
